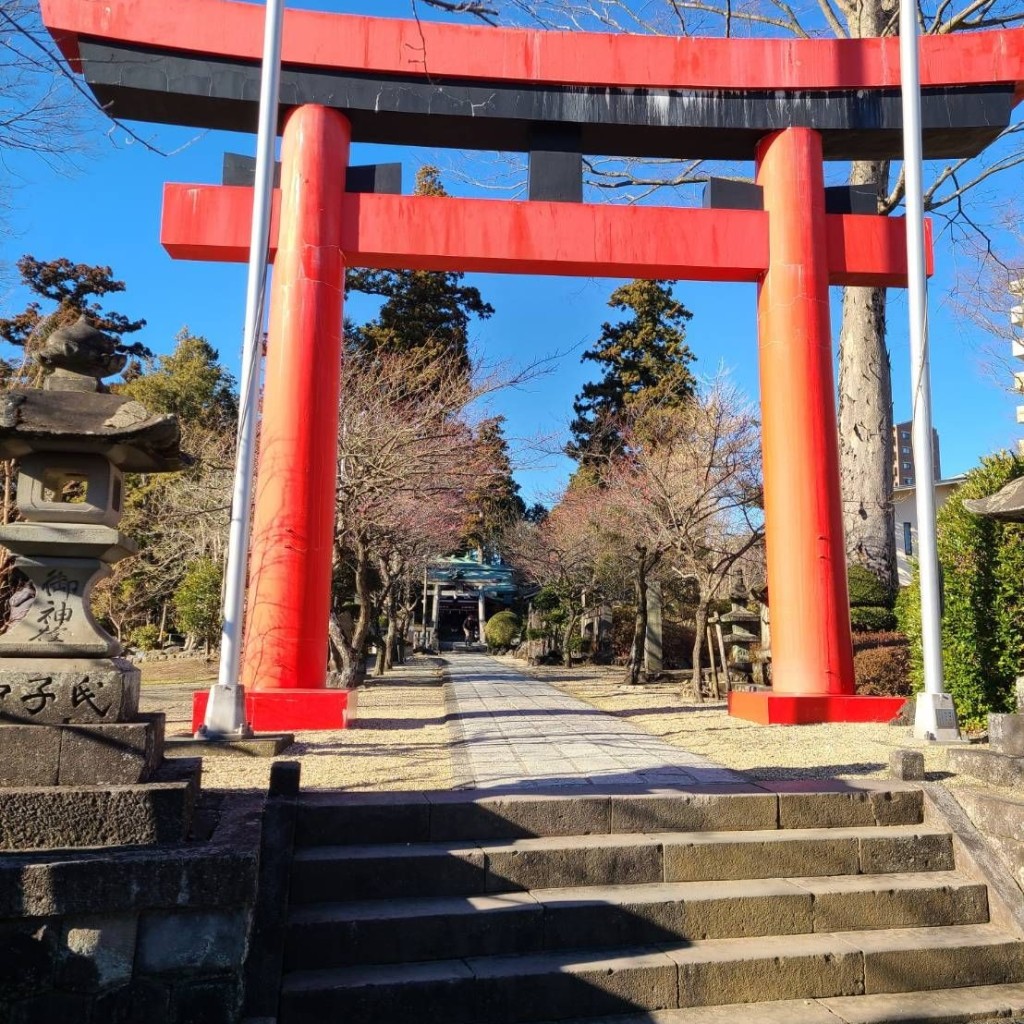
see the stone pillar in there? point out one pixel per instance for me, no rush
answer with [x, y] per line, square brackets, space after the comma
[812, 652]
[437, 608]
[481, 613]
[652, 640]
[293, 521]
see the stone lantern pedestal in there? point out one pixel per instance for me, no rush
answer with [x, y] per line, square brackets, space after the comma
[68, 700]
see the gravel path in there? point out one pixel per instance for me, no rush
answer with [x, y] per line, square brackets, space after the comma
[506, 724]
[666, 710]
[400, 741]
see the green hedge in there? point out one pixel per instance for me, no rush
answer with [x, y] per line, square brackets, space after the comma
[982, 564]
[872, 619]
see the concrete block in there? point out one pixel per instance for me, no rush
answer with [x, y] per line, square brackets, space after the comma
[400, 931]
[1006, 734]
[211, 1001]
[92, 691]
[332, 819]
[765, 908]
[755, 970]
[58, 818]
[920, 851]
[959, 961]
[994, 815]
[30, 957]
[31, 755]
[97, 952]
[693, 812]
[454, 816]
[322, 874]
[987, 765]
[858, 902]
[433, 991]
[938, 1005]
[845, 804]
[573, 984]
[573, 860]
[119, 754]
[143, 1001]
[906, 764]
[49, 1007]
[191, 941]
[758, 855]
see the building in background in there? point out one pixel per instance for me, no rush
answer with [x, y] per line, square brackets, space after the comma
[903, 472]
[904, 502]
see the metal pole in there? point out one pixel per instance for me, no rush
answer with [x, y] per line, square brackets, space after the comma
[934, 717]
[225, 711]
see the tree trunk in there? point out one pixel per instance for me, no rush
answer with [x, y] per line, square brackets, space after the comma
[636, 672]
[700, 625]
[865, 385]
[570, 628]
[865, 417]
[352, 648]
[391, 637]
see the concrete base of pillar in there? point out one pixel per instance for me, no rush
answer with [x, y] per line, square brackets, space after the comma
[288, 710]
[767, 708]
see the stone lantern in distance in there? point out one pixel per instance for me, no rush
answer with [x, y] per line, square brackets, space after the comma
[74, 441]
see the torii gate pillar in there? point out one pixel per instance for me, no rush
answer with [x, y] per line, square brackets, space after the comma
[812, 651]
[285, 655]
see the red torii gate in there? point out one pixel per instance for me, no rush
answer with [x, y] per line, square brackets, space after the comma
[183, 64]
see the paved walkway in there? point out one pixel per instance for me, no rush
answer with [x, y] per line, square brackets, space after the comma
[516, 731]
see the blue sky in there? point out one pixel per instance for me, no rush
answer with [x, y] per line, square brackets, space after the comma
[108, 212]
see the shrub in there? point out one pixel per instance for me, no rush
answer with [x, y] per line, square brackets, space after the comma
[982, 564]
[866, 589]
[501, 629]
[883, 671]
[871, 619]
[145, 638]
[197, 600]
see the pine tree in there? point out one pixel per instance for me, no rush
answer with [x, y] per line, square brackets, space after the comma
[493, 501]
[645, 354]
[425, 310]
[189, 382]
[72, 287]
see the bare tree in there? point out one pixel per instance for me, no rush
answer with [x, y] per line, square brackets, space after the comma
[562, 555]
[690, 488]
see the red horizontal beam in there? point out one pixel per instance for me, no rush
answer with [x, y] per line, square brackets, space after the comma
[212, 222]
[393, 46]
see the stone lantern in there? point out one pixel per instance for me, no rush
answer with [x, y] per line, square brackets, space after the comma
[58, 667]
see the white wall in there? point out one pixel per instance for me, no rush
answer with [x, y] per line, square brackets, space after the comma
[904, 500]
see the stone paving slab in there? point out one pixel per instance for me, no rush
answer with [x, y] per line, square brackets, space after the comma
[515, 731]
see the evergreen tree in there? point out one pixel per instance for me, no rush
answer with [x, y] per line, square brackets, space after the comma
[189, 382]
[74, 288]
[644, 354]
[426, 310]
[492, 502]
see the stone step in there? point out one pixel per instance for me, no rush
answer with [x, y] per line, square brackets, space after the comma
[337, 873]
[573, 985]
[988, 765]
[333, 819]
[602, 917]
[74, 817]
[941, 1006]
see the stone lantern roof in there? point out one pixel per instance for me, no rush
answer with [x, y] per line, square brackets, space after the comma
[74, 413]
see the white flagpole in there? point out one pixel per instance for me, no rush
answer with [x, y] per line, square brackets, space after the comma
[934, 716]
[225, 711]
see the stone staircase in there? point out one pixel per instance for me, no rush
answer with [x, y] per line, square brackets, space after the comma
[832, 905]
